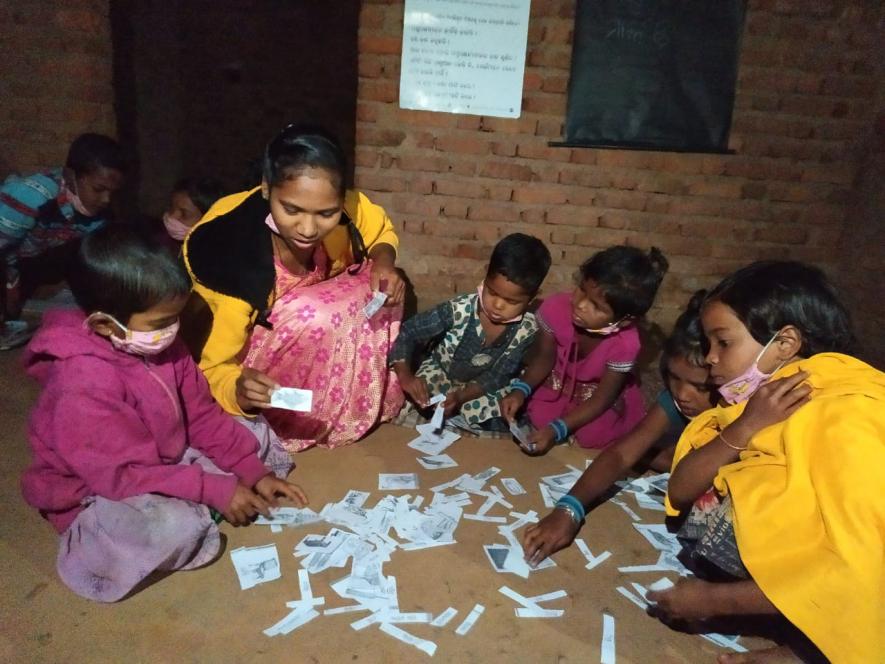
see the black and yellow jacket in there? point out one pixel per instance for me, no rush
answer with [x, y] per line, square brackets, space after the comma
[229, 255]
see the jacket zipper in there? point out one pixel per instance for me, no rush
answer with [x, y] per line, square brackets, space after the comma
[175, 405]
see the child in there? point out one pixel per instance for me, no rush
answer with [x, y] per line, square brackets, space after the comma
[580, 377]
[191, 199]
[42, 216]
[120, 430]
[797, 453]
[687, 394]
[480, 337]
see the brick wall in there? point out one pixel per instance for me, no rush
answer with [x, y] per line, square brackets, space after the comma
[55, 79]
[454, 184]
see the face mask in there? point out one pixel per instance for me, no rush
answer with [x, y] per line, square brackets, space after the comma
[479, 290]
[137, 342]
[176, 228]
[271, 224]
[606, 331]
[74, 200]
[681, 412]
[742, 388]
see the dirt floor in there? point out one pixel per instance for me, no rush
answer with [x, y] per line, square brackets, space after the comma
[203, 616]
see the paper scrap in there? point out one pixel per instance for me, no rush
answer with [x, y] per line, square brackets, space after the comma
[397, 481]
[437, 461]
[548, 597]
[592, 561]
[436, 420]
[431, 443]
[469, 621]
[291, 398]
[638, 601]
[256, 564]
[624, 506]
[428, 647]
[436, 399]
[661, 584]
[288, 516]
[512, 487]
[521, 434]
[293, 620]
[444, 618]
[482, 517]
[374, 305]
[523, 612]
[345, 609]
[607, 654]
[724, 641]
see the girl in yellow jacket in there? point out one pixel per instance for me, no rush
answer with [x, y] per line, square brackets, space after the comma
[282, 274]
[802, 523]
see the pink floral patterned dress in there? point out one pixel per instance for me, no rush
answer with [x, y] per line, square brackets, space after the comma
[322, 341]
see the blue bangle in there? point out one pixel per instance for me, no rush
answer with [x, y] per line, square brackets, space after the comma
[570, 502]
[522, 386]
[560, 429]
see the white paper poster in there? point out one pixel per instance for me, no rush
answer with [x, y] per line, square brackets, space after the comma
[464, 56]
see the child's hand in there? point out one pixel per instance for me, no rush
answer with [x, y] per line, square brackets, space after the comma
[270, 486]
[412, 385]
[689, 599]
[540, 441]
[244, 505]
[454, 401]
[554, 532]
[254, 389]
[775, 401]
[511, 404]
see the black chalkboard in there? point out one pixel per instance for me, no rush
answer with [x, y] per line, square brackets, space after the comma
[654, 74]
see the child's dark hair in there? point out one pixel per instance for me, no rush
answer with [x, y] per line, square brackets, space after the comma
[628, 277]
[769, 295]
[522, 259]
[90, 152]
[301, 147]
[120, 272]
[203, 192]
[687, 339]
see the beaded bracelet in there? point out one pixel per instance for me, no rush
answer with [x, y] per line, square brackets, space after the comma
[734, 447]
[560, 429]
[574, 504]
[522, 386]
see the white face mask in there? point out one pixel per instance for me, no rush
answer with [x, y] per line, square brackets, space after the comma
[606, 331]
[74, 200]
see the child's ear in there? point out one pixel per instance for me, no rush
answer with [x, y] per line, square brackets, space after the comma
[789, 343]
[102, 324]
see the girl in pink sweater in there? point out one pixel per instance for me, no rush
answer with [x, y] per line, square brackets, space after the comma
[129, 449]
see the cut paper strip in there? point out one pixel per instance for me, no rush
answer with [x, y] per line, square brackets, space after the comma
[624, 506]
[294, 620]
[470, 620]
[724, 641]
[513, 487]
[548, 597]
[524, 612]
[351, 608]
[444, 618]
[374, 305]
[428, 647]
[638, 601]
[488, 519]
[607, 650]
[592, 561]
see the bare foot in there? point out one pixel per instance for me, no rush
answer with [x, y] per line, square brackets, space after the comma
[776, 655]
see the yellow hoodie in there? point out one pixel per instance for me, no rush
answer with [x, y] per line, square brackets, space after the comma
[229, 255]
[808, 497]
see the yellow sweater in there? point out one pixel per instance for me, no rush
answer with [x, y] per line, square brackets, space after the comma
[809, 512]
[229, 255]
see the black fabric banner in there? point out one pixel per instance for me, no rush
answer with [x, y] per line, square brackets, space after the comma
[654, 74]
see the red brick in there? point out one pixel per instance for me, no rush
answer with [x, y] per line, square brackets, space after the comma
[472, 122]
[462, 144]
[521, 125]
[500, 192]
[534, 194]
[531, 80]
[455, 208]
[544, 103]
[427, 206]
[460, 229]
[370, 67]
[506, 171]
[540, 150]
[555, 84]
[475, 251]
[371, 135]
[467, 189]
[549, 128]
[562, 236]
[533, 215]
[365, 158]
[661, 184]
[423, 139]
[435, 164]
[423, 118]
[555, 57]
[621, 200]
[420, 184]
[371, 16]
[378, 90]
[493, 212]
[380, 182]
[572, 215]
[718, 188]
[379, 44]
[504, 148]
[367, 111]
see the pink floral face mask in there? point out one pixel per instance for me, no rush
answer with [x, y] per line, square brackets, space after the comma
[138, 342]
[742, 387]
[176, 228]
